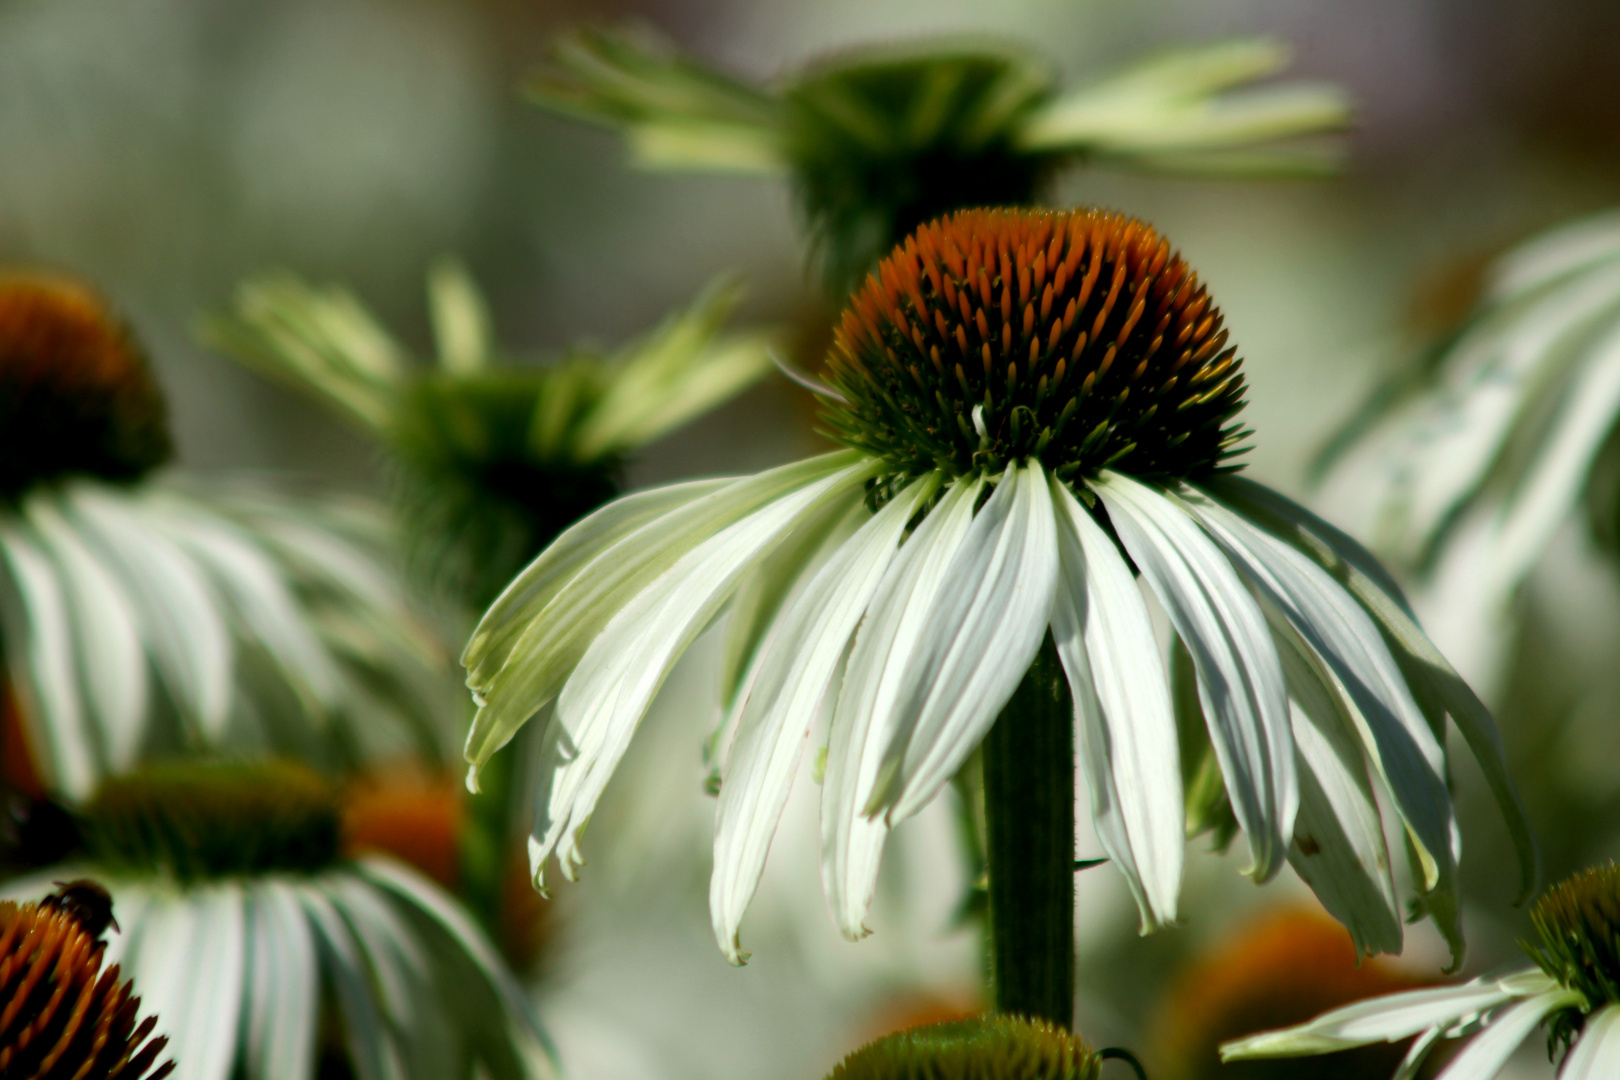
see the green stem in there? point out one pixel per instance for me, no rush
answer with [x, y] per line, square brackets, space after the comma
[1029, 825]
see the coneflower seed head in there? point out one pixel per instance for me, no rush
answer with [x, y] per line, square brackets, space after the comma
[995, 1047]
[1075, 337]
[1578, 921]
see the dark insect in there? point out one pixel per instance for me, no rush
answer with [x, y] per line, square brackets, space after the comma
[86, 901]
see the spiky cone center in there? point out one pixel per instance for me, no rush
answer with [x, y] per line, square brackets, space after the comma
[195, 821]
[76, 394]
[995, 1047]
[61, 1016]
[1578, 922]
[1078, 338]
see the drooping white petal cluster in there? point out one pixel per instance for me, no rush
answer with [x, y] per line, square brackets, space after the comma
[238, 968]
[1503, 1011]
[911, 627]
[118, 605]
[1496, 455]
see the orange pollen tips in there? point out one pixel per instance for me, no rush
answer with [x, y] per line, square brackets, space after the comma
[1075, 337]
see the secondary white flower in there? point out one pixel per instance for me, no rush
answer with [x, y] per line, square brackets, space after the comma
[1503, 433]
[1034, 403]
[139, 615]
[1575, 989]
[261, 951]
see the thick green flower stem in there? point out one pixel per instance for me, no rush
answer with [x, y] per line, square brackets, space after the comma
[1029, 825]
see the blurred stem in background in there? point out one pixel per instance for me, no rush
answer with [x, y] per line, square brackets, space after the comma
[878, 141]
[492, 460]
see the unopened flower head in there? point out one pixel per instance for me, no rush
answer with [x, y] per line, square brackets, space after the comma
[993, 1047]
[1076, 339]
[1038, 407]
[1574, 990]
[76, 394]
[65, 1016]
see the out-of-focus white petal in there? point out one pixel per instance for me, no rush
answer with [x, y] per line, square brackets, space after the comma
[190, 972]
[373, 1050]
[798, 664]
[554, 641]
[1240, 681]
[608, 693]
[1488, 1052]
[1125, 725]
[1338, 847]
[283, 983]
[976, 645]
[852, 843]
[1596, 1055]
[1327, 619]
[1380, 1019]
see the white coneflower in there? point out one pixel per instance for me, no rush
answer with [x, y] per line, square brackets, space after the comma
[264, 951]
[877, 141]
[137, 615]
[1574, 990]
[1486, 450]
[1038, 407]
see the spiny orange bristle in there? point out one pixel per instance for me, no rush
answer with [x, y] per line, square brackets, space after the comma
[60, 1015]
[1085, 340]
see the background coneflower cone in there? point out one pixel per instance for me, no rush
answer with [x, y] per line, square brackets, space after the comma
[1076, 337]
[76, 394]
[61, 1016]
[995, 1047]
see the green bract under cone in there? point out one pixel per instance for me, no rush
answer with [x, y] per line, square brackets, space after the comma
[1077, 338]
[208, 820]
[880, 140]
[1578, 921]
[76, 395]
[494, 459]
[986, 1048]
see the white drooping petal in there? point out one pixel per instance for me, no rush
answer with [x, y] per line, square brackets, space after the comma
[1327, 619]
[797, 665]
[1551, 484]
[1434, 682]
[1557, 253]
[1381, 1019]
[373, 1050]
[555, 639]
[399, 970]
[111, 661]
[1125, 724]
[178, 611]
[282, 985]
[1240, 680]
[980, 638]
[38, 624]
[608, 693]
[189, 972]
[1339, 848]
[1484, 1057]
[1417, 1054]
[1596, 1055]
[851, 842]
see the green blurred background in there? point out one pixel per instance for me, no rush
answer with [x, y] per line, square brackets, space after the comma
[164, 149]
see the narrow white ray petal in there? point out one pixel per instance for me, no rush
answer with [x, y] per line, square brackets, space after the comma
[1491, 385]
[538, 584]
[1338, 847]
[258, 592]
[423, 895]
[283, 987]
[977, 643]
[181, 622]
[1568, 249]
[1240, 680]
[373, 1050]
[190, 971]
[1125, 724]
[1434, 682]
[608, 693]
[1417, 1054]
[852, 843]
[1552, 483]
[399, 970]
[37, 621]
[798, 664]
[1396, 736]
[112, 663]
[1482, 1058]
[555, 640]
[1381, 1019]
[1596, 1055]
